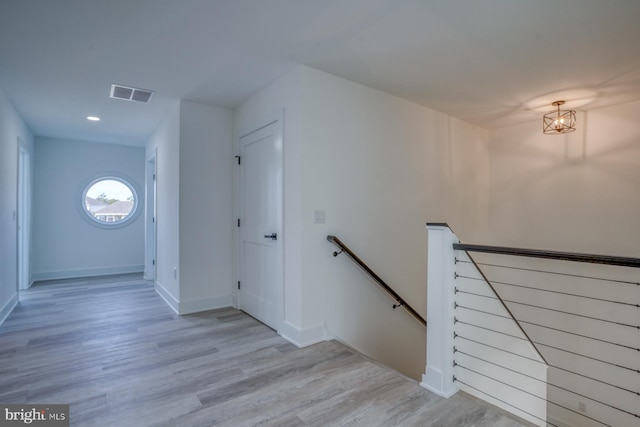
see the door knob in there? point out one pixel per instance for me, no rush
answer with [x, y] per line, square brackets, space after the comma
[272, 236]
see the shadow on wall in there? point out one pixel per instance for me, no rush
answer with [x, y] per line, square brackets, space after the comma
[573, 192]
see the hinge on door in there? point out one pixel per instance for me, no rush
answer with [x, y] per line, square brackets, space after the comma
[238, 284]
[154, 176]
[154, 262]
[153, 219]
[238, 222]
[239, 160]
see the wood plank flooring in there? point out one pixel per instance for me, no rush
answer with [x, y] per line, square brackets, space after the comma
[113, 350]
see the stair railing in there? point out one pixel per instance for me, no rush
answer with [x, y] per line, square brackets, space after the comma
[400, 302]
[578, 313]
[576, 319]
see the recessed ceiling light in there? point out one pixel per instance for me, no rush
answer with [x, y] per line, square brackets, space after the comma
[93, 118]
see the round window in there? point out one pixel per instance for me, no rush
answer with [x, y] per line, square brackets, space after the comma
[110, 201]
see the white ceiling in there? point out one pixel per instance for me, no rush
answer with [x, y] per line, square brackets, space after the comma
[489, 62]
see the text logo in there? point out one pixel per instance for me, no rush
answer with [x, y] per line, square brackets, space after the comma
[34, 415]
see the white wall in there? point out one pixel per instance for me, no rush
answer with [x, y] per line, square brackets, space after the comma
[166, 143]
[206, 162]
[381, 167]
[577, 192]
[11, 127]
[64, 243]
[194, 207]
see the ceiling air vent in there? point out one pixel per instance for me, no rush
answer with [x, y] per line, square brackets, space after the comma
[130, 93]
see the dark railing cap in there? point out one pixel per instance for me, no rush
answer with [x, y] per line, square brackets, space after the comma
[562, 256]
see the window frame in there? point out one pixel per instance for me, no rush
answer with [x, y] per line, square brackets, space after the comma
[112, 176]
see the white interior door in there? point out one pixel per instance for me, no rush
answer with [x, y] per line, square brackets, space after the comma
[261, 250]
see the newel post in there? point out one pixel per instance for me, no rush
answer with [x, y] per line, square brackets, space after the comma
[438, 376]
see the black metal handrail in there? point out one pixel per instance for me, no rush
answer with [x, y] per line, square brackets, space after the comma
[561, 256]
[400, 301]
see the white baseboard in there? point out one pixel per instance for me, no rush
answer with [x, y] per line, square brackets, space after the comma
[204, 304]
[192, 306]
[234, 301]
[559, 423]
[435, 391]
[433, 381]
[167, 297]
[304, 337]
[87, 272]
[6, 309]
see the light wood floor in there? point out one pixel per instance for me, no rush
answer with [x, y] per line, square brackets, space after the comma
[114, 351]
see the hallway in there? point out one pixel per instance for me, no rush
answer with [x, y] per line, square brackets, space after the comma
[113, 350]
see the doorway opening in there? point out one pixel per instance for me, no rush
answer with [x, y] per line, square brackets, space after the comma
[150, 218]
[24, 216]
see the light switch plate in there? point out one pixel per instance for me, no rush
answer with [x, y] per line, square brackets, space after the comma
[319, 216]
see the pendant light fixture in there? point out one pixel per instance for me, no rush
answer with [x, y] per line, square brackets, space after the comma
[559, 121]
